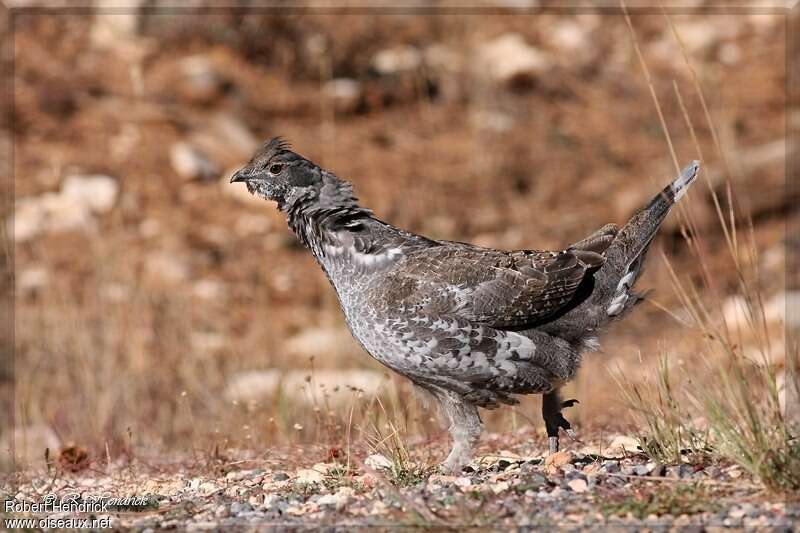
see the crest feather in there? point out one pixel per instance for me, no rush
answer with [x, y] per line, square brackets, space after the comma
[277, 144]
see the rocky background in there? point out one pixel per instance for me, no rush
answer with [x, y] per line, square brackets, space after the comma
[163, 312]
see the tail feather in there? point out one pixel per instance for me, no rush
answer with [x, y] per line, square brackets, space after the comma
[624, 250]
[625, 255]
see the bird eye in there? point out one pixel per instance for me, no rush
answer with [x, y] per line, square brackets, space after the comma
[275, 168]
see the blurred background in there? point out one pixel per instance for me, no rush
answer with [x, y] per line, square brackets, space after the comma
[161, 310]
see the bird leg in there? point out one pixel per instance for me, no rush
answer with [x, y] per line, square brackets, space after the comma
[553, 419]
[465, 428]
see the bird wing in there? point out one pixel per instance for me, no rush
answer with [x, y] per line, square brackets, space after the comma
[493, 287]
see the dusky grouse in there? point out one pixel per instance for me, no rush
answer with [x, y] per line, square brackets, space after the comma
[472, 326]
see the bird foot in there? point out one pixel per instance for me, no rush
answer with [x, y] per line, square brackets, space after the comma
[563, 423]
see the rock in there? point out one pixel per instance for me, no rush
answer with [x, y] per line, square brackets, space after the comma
[397, 60]
[221, 511]
[345, 93]
[339, 500]
[30, 443]
[735, 311]
[509, 60]
[499, 488]
[775, 308]
[114, 29]
[207, 488]
[239, 475]
[233, 134]
[578, 485]
[166, 268]
[191, 163]
[31, 279]
[642, 470]
[209, 289]
[149, 228]
[309, 476]
[96, 192]
[493, 121]
[378, 462]
[50, 212]
[238, 508]
[679, 471]
[621, 445]
[571, 38]
[730, 53]
[611, 467]
[200, 81]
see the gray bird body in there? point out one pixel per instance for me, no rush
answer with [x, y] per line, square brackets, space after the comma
[473, 326]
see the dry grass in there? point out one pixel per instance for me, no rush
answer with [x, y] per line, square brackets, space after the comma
[729, 405]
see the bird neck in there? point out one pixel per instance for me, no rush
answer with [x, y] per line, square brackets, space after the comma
[317, 215]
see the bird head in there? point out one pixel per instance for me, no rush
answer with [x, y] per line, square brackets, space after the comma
[278, 174]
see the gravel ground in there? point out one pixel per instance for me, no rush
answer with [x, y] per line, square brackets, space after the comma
[580, 489]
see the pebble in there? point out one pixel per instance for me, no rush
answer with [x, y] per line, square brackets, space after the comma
[378, 462]
[190, 162]
[509, 60]
[578, 485]
[309, 476]
[97, 192]
[611, 467]
[240, 507]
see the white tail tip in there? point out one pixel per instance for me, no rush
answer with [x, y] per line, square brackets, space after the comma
[688, 174]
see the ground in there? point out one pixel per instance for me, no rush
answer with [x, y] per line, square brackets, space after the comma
[583, 487]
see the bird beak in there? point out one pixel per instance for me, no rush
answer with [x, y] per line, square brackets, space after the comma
[241, 175]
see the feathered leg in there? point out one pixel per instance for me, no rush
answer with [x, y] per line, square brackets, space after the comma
[465, 428]
[553, 419]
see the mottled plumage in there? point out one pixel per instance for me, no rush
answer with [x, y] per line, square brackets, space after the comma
[473, 326]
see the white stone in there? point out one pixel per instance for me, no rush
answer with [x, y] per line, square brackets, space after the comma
[200, 76]
[569, 36]
[235, 134]
[30, 443]
[775, 309]
[97, 192]
[49, 212]
[31, 279]
[345, 93]
[735, 311]
[308, 476]
[578, 485]
[622, 443]
[209, 289]
[377, 461]
[190, 162]
[508, 59]
[396, 60]
[166, 267]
